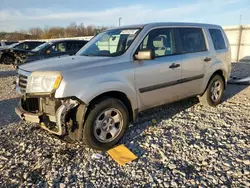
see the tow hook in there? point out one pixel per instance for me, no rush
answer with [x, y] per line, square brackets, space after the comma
[61, 115]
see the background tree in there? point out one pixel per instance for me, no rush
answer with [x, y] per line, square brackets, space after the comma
[73, 30]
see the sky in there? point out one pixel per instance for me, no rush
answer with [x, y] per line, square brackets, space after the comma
[25, 14]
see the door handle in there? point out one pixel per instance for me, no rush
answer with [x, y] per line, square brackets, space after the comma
[173, 66]
[207, 59]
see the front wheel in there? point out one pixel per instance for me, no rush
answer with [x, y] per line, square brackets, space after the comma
[6, 59]
[105, 124]
[214, 92]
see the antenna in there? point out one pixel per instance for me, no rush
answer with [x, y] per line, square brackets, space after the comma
[120, 22]
[240, 19]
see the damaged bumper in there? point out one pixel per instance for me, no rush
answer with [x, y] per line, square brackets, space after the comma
[53, 115]
[26, 116]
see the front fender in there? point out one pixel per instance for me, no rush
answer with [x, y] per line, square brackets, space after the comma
[87, 92]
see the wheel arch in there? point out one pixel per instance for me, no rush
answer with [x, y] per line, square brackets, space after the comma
[118, 95]
[217, 72]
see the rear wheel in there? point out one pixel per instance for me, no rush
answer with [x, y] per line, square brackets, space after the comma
[214, 91]
[105, 124]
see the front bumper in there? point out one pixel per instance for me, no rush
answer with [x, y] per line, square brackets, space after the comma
[26, 116]
[50, 114]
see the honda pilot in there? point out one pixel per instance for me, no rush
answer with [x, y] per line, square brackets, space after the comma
[93, 95]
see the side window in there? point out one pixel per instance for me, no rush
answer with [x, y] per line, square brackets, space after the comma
[192, 40]
[160, 41]
[79, 45]
[71, 46]
[29, 46]
[20, 46]
[57, 48]
[74, 46]
[217, 39]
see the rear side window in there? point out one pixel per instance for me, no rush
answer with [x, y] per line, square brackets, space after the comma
[217, 39]
[74, 46]
[192, 40]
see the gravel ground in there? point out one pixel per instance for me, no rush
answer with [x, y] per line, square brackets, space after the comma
[181, 144]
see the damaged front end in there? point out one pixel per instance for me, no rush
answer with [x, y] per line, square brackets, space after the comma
[59, 116]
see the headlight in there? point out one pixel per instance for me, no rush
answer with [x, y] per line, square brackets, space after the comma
[43, 82]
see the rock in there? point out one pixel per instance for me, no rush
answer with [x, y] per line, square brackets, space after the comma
[25, 176]
[246, 162]
[204, 163]
[46, 161]
[62, 185]
[174, 184]
[154, 121]
[172, 166]
[138, 131]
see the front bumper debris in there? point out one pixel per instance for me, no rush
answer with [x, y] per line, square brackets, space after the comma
[52, 115]
[26, 116]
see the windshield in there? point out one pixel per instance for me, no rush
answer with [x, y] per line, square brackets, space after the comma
[110, 43]
[13, 45]
[41, 46]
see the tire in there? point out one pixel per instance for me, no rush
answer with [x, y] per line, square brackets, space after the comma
[6, 59]
[209, 98]
[107, 116]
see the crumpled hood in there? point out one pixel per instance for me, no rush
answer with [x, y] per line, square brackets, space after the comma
[64, 64]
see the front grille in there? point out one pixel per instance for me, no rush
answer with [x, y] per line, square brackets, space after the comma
[22, 80]
[31, 105]
[22, 83]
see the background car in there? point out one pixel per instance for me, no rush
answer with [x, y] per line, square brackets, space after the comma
[9, 54]
[53, 49]
[6, 43]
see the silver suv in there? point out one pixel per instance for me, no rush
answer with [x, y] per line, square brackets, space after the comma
[93, 95]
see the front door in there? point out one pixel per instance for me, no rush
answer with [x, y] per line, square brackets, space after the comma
[57, 49]
[157, 80]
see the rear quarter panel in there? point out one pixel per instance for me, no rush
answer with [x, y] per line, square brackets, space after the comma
[221, 59]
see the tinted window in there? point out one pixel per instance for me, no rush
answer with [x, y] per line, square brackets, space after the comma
[217, 39]
[160, 41]
[9, 43]
[57, 48]
[26, 46]
[75, 46]
[41, 46]
[192, 40]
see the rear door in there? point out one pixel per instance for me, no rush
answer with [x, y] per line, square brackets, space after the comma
[74, 46]
[193, 46]
[157, 80]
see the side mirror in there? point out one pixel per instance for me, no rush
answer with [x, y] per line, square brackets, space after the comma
[145, 55]
[48, 52]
